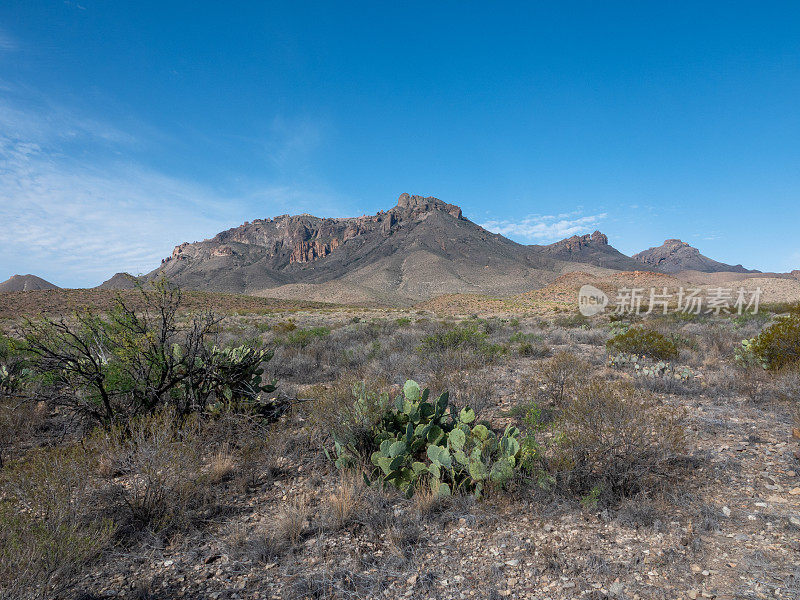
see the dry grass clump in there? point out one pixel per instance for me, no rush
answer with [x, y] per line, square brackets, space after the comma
[614, 441]
[221, 466]
[343, 506]
[156, 469]
[562, 375]
[293, 520]
[348, 411]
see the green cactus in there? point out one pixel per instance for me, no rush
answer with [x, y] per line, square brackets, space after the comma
[425, 441]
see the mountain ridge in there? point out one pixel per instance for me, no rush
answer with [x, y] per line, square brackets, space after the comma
[419, 248]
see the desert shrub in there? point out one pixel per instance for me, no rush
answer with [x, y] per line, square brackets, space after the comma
[420, 442]
[459, 345]
[533, 350]
[402, 321]
[529, 344]
[13, 366]
[138, 359]
[47, 534]
[284, 327]
[613, 441]
[778, 345]
[456, 337]
[647, 342]
[155, 468]
[475, 389]
[20, 420]
[562, 374]
[348, 412]
[572, 320]
[303, 337]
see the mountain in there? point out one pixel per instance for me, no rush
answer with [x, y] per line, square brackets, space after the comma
[420, 248]
[674, 256]
[120, 281]
[594, 250]
[25, 283]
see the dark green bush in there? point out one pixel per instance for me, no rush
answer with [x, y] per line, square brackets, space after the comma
[646, 342]
[778, 345]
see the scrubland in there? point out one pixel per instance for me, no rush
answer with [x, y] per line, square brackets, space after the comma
[156, 449]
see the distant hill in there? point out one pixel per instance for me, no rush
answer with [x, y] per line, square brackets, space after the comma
[25, 283]
[418, 249]
[594, 250]
[674, 256]
[120, 281]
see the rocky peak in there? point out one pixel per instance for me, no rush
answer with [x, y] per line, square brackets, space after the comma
[408, 203]
[675, 245]
[578, 242]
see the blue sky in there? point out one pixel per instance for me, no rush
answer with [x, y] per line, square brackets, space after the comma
[129, 127]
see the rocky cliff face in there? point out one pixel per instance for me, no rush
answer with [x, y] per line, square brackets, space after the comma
[675, 255]
[576, 243]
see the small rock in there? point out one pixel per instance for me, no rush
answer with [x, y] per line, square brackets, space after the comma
[726, 511]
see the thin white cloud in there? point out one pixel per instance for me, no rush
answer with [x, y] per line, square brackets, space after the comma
[545, 228]
[73, 211]
[7, 43]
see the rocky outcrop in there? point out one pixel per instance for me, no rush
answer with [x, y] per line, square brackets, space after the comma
[576, 243]
[416, 205]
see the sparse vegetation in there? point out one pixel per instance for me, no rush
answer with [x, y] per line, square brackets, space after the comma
[558, 436]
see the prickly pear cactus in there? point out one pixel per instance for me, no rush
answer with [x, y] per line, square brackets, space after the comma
[425, 442]
[641, 366]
